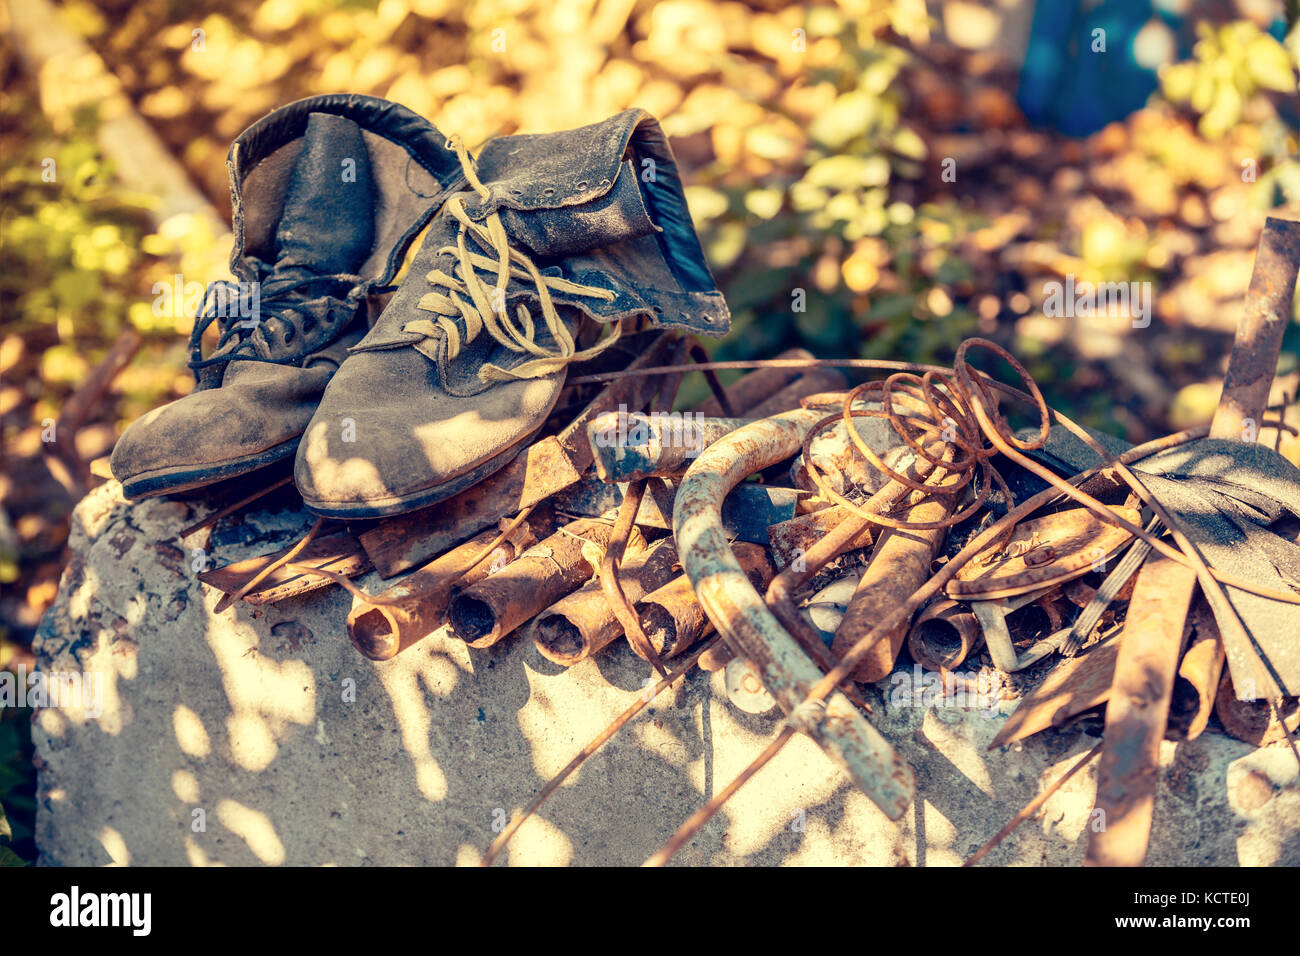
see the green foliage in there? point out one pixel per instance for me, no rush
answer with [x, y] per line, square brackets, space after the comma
[70, 254]
[16, 785]
[1233, 70]
[801, 256]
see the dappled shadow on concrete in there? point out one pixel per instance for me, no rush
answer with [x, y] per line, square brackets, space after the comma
[259, 736]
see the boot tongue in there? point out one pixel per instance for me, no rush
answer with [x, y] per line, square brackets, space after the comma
[327, 224]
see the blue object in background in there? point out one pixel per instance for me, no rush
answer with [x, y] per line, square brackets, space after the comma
[1064, 84]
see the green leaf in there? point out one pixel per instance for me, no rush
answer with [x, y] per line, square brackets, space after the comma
[851, 115]
[1269, 65]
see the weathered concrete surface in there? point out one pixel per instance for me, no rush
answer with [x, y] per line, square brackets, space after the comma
[267, 728]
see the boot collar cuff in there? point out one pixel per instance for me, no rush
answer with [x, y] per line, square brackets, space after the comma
[426, 145]
[552, 170]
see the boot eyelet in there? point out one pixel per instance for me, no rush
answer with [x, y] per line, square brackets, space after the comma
[582, 185]
[548, 191]
[516, 192]
[604, 182]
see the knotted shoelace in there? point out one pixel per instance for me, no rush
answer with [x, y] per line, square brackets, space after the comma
[463, 293]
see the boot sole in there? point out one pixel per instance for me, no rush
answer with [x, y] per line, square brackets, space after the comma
[401, 504]
[171, 481]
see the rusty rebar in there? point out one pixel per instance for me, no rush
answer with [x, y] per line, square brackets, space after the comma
[643, 701]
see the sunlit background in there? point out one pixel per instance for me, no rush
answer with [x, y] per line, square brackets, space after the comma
[1112, 141]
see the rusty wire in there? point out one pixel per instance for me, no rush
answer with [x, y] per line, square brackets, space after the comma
[644, 699]
[1032, 807]
[267, 571]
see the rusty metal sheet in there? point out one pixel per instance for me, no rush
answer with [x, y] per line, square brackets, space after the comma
[1074, 685]
[340, 553]
[740, 614]
[746, 513]
[1252, 365]
[789, 539]
[1137, 714]
[1043, 552]
[544, 468]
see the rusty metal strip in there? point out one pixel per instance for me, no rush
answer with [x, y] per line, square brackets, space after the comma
[544, 468]
[1246, 384]
[741, 616]
[339, 552]
[1075, 685]
[1136, 716]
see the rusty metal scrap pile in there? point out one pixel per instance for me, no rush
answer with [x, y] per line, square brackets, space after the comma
[1161, 581]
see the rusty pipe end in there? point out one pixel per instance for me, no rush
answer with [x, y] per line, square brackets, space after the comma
[944, 635]
[473, 620]
[559, 640]
[374, 632]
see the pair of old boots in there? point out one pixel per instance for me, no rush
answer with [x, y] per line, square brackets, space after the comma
[534, 254]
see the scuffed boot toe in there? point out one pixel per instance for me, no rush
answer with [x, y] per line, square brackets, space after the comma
[363, 459]
[202, 438]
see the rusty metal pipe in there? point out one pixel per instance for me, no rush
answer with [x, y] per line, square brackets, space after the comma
[416, 606]
[485, 612]
[673, 618]
[944, 635]
[627, 447]
[739, 613]
[899, 565]
[581, 623]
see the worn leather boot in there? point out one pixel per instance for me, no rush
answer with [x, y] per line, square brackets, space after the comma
[328, 193]
[462, 368]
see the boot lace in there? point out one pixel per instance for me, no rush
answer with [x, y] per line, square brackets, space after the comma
[291, 302]
[462, 293]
